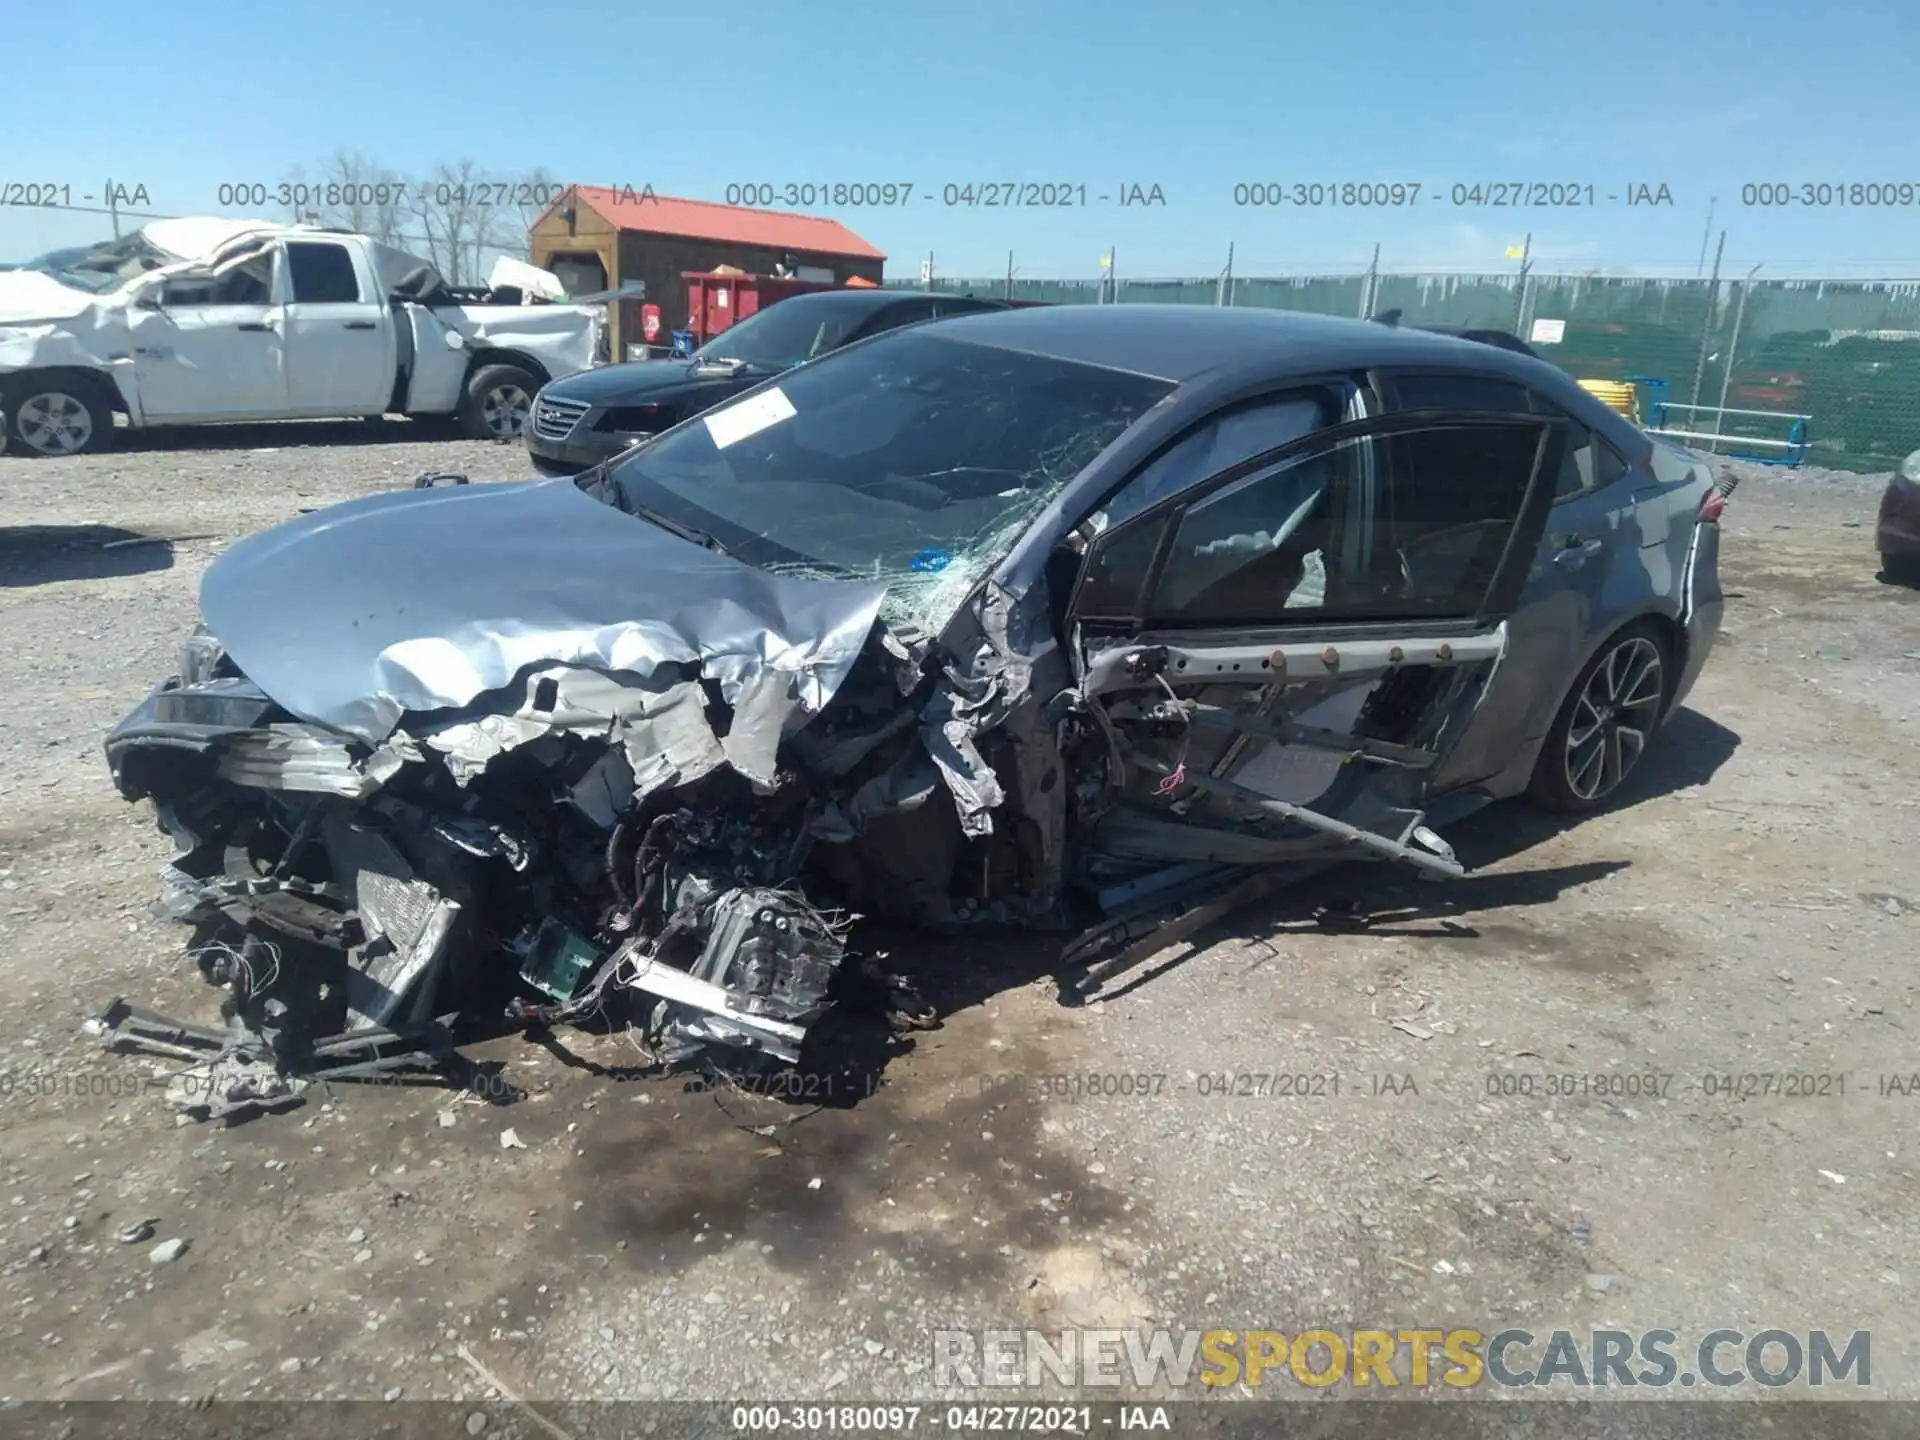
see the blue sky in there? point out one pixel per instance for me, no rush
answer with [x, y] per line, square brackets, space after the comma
[1702, 96]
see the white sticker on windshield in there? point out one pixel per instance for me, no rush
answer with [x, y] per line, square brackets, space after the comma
[734, 423]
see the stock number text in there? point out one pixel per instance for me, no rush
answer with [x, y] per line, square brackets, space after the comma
[1357, 193]
[1825, 195]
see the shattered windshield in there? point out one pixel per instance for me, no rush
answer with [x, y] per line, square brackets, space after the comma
[914, 459]
[103, 267]
[785, 334]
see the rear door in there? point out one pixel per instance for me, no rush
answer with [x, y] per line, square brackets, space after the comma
[1564, 603]
[1565, 592]
[340, 358]
[1314, 626]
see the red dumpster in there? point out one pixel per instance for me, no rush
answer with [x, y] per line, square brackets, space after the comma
[724, 296]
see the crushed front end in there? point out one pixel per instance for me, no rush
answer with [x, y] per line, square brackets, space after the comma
[466, 827]
[525, 861]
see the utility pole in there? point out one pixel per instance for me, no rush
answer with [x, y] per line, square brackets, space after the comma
[1370, 284]
[1733, 350]
[1706, 325]
[1526, 264]
[1223, 291]
[1704, 236]
[113, 209]
[1009, 275]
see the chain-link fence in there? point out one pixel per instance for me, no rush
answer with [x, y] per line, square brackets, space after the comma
[1844, 353]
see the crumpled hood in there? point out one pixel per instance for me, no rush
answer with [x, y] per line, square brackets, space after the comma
[426, 599]
[27, 296]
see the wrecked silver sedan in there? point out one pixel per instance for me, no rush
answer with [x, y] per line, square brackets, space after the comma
[1100, 619]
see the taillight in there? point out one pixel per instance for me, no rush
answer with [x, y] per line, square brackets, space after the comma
[1713, 507]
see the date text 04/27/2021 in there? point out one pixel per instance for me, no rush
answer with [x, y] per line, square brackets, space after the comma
[1072, 1087]
[1476, 195]
[970, 194]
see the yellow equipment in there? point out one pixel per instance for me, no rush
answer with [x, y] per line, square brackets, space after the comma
[1617, 395]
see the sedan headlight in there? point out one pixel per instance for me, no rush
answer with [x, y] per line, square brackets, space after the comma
[200, 656]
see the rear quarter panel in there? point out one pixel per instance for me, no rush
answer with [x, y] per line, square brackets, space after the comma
[1653, 568]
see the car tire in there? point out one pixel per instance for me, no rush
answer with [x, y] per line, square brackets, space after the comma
[1900, 569]
[497, 402]
[56, 416]
[1588, 754]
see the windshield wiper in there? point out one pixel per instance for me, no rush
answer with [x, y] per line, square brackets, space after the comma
[674, 527]
[597, 480]
[733, 365]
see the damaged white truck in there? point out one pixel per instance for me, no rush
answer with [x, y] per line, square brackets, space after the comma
[203, 321]
[1095, 619]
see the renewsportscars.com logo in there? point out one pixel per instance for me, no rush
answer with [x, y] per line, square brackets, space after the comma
[1512, 1358]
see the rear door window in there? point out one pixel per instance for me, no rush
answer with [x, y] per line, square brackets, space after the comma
[1447, 391]
[893, 317]
[956, 305]
[1396, 521]
[322, 272]
[1588, 463]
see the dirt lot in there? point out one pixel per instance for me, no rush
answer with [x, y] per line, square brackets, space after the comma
[1751, 908]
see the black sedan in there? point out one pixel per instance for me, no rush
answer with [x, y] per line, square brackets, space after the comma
[581, 419]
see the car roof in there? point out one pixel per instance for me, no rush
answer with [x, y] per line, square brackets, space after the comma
[862, 301]
[840, 299]
[1179, 343]
[1504, 339]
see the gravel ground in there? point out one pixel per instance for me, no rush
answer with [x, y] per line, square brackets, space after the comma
[1744, 909]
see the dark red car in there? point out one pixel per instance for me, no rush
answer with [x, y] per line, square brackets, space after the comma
[1898, 533]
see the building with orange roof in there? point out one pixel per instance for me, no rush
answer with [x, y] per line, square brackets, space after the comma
[598, 237]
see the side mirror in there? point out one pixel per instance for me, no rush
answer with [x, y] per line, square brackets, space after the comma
[149, 299]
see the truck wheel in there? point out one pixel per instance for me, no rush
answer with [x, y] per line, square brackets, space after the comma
[497, 403]
[56, 417]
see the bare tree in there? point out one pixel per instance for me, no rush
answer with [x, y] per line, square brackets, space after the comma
[458, 216]
[353, 193]
[456, 209]
[540, 191]
[298, 212]
[363, 196]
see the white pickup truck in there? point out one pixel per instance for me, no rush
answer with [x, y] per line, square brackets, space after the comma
[204, 321]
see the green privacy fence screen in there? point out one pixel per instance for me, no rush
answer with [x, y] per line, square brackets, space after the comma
[1844, 352]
